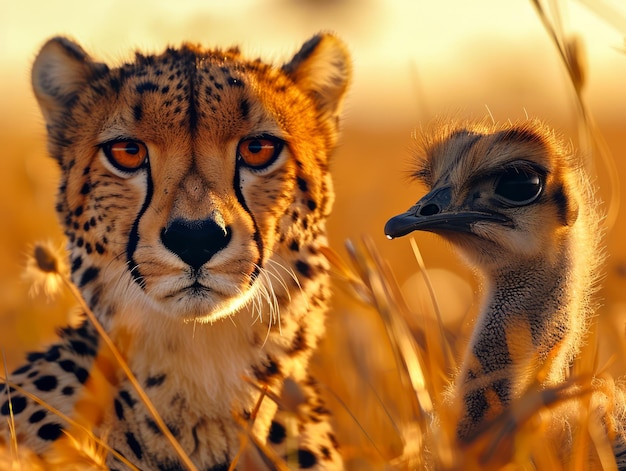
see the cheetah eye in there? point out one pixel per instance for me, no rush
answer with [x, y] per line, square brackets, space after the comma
[126, 156]
[259, 152]
[518, 187]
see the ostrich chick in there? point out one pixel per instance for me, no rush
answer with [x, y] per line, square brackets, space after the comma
[517, 204]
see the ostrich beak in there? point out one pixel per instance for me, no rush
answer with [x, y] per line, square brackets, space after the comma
[435, 213]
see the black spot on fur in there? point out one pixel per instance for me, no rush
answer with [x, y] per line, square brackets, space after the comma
[134, 445]
[173, 429]
[137, 112]
[233, 82]
[81, 373]
[152, 381]
[304, 268]
[333, 440]
[82, 348]
[152, 425]
[77, 263]
[244, 106]
[46, 383]
[299, 342]
[277, 433]
[34, 356]
[88, 275]
[128, 399]
[270, 370]
[319, 411]
[67, 391]
[147, 87]
[86, 333]
[37, 416]
[69, 366]
[86, 188]
[294, 246]
[23, 369]
[311, 204]
[50, 431]
[53, 353]
[115, 84]
[18, 404]
[302, 184]
[119, 409]
[306, 459]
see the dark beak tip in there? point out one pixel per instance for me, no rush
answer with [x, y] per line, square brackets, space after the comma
[398, 226]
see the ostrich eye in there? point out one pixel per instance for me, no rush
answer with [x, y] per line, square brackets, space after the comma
[518, 187]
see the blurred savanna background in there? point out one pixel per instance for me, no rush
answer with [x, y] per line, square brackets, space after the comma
[413, 60]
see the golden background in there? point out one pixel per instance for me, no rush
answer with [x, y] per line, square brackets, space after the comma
[413, 60]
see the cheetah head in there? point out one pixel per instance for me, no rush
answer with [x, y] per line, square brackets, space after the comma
[184, 174]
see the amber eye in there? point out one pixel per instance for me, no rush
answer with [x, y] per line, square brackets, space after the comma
[259, 152]
[127, 156]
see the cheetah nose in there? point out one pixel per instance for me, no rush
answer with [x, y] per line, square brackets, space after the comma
[195, 242]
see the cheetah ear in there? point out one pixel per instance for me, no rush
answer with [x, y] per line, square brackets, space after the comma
[60, 70]
[322, 69]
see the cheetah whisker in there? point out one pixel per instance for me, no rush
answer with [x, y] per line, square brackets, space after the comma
[294, 277]
[255, 307]
[274, 273]
[266, 291]
[267, 288]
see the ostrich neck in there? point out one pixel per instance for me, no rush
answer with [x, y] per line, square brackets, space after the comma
[529, 303]
[530, 314]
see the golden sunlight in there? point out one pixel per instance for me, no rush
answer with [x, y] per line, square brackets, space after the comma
[413, 61]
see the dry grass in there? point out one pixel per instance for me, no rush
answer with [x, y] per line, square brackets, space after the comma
[528, 435]
[397, 363]
[524, 437]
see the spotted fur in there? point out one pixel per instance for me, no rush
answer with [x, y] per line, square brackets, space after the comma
[205, 270]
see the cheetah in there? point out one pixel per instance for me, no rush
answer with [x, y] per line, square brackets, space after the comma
[194, 194]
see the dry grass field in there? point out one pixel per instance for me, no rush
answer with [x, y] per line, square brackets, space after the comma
[383, 422]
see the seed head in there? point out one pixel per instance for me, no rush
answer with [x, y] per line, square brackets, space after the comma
[45, 269]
